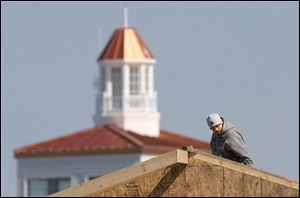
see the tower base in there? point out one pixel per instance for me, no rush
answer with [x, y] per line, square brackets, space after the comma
[142, 124]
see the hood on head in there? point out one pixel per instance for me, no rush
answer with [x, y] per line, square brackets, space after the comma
[226, 127]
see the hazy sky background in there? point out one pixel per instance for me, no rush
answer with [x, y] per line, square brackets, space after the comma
[240, 59]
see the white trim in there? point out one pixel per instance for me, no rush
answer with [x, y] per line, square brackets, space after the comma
[25, 186]
[86, 178]
[108, 81]
[126, 61]
[73, 180]
[145, 157]
[151, 80]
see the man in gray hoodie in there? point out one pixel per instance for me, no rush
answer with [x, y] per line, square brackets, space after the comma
[226, 142]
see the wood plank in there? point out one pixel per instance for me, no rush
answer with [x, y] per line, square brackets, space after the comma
[172, 184]
[252, 186]
[140, 187]
[177, 187]
[163, 183]
[205, 179]
[233, 183]
[252, 177]
[118, 177]
[272, 189]
[129, 189]
[244, 169]
[148, 182]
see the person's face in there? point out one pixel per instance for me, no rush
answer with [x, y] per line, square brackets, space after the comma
[217, 129]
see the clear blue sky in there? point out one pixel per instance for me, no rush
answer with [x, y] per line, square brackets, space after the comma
[240, 59]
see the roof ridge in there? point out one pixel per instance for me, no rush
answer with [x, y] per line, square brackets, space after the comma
[121, 132]
[51, 139]
[182, 136]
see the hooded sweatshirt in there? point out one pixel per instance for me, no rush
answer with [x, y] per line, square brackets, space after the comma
[230, 144]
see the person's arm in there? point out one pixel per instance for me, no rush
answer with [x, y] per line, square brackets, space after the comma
[238, 147]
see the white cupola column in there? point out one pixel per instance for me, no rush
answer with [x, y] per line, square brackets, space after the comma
[108, 81]
[151, 79]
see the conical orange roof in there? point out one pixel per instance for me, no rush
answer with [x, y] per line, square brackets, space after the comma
[126, 43]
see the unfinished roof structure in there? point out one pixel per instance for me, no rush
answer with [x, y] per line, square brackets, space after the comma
[187, 172]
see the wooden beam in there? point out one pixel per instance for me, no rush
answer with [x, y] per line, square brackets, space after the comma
[121, 176]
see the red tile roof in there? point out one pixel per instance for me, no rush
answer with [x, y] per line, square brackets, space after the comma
[126, 43]
[108, 139]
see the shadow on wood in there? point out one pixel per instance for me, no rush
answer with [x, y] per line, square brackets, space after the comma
[167, 180]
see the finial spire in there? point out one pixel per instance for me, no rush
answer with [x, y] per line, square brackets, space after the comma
[125, 13]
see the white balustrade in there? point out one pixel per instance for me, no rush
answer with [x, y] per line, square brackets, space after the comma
[136, 103]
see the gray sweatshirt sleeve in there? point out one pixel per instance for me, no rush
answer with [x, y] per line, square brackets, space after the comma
[237, 146]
